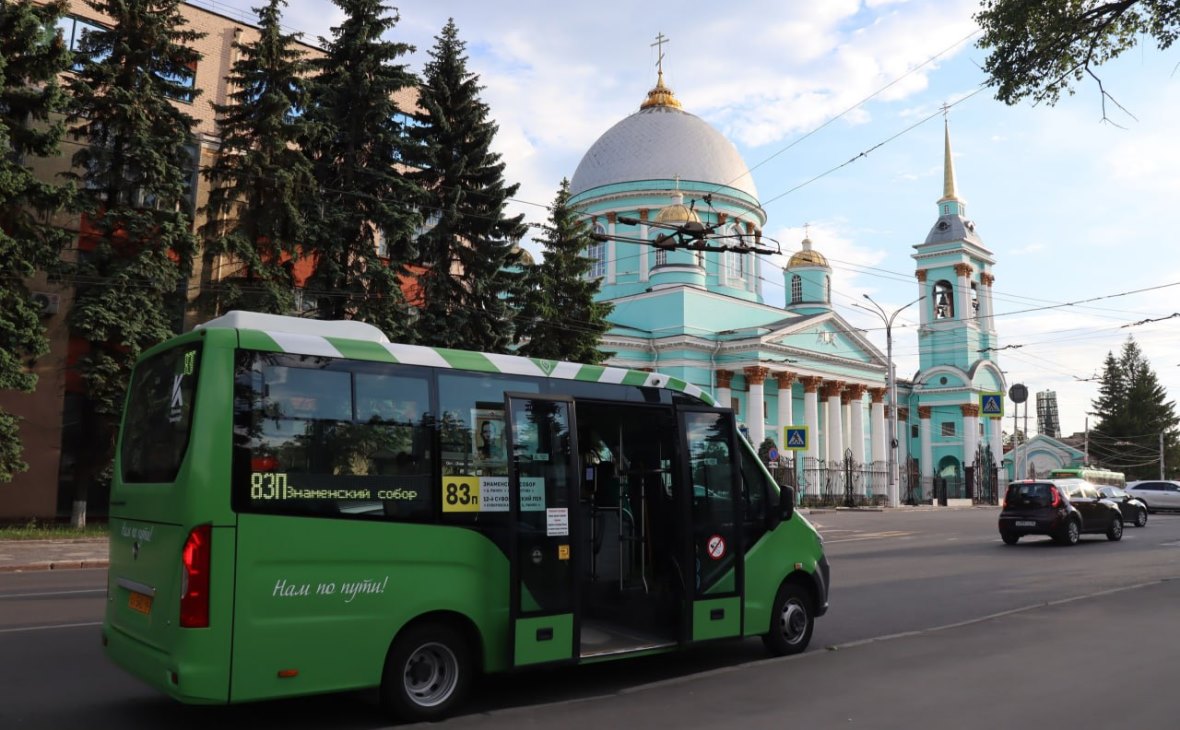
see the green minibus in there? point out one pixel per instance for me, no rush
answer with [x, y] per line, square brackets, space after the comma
[302, 506]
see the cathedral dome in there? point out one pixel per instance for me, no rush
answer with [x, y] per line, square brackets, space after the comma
[661, 141]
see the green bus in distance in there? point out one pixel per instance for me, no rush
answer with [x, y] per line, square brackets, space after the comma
[303, 507]
[1101, 477]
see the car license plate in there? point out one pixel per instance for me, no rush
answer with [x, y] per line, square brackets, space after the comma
[1026, 523]
[139, 602]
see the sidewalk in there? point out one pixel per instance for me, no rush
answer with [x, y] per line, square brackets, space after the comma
[25, 555]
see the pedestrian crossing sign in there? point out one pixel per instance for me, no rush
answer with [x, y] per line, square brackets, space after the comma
[991, 405]
[795, 438]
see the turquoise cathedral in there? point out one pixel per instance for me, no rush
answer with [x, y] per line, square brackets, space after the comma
[700, 315]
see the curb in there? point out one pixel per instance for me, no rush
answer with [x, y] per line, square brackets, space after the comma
[56, 565]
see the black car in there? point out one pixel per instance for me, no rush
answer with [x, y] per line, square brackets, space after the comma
[1133, 509]
[1061, 510]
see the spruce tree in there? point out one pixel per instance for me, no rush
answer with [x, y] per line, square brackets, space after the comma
[468, 286]
[560, 319]
[263, 186]
[31, 57]
[355, 141]
[1133, 411]
[136, 168]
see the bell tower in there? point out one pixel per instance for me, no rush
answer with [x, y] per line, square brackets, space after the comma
[955, 279]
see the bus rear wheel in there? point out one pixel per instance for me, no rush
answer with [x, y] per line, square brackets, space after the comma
[427, 673]
[791, 621]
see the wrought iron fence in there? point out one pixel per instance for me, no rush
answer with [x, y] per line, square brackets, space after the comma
[843, 483]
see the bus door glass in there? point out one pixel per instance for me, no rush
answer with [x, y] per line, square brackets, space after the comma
[710, 445]
[543, 491]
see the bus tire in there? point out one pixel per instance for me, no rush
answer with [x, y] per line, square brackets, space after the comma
[792, 620]
[427, 673]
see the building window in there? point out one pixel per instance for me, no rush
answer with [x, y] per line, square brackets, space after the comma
[913, 432]
[380, 243]
[427, 225]
[948, 428]
[184, 81]
[661, 256]
[974, 299]
[796, 289]
[72, 31]
[736, 405]
[596, 252]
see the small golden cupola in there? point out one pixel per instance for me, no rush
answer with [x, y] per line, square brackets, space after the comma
[807, 257]
[660, 96]
[677, 214]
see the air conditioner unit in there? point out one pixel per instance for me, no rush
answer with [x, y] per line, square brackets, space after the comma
[47, 301]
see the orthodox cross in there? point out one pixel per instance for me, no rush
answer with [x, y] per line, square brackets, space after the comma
[660, 41]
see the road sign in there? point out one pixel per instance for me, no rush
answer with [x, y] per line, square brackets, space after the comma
[1018, 393]
[991, 405]
[795, 438]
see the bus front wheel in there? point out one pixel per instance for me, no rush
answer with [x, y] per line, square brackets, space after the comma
[427, 673]
[791, 621]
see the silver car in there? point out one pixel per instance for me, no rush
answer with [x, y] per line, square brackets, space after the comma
[1157, 494]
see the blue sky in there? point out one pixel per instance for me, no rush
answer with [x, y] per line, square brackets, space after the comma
[835, 108]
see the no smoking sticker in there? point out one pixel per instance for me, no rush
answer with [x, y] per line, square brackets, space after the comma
[716, 547]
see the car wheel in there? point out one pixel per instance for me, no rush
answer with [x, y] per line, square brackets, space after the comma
[791, 621]
[1141, 518]
[426, 673]
[1114, 533]
[1070, 533]
[1009, 538]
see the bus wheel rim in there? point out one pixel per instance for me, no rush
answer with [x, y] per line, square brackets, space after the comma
[794, 622]
[432, 672]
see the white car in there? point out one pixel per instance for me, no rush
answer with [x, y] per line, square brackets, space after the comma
[1156, 493]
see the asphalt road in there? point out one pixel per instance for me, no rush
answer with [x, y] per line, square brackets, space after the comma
[934, 623]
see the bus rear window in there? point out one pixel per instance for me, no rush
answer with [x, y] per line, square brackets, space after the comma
[159, 414]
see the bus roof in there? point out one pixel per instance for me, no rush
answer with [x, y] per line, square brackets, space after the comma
[340, 338]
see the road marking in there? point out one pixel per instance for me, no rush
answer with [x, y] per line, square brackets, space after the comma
[51, 593]
[54, 626]
[869, 536]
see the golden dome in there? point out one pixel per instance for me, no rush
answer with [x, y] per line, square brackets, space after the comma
[807, 257]
[660, 96]
[677, 213]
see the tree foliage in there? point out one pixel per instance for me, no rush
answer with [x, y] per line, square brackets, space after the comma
[262, 185]
[1133, 410]
[137, 168]
[1041, 49]
[559, 319]
[468, 288]
[355, 140]
[31, 57]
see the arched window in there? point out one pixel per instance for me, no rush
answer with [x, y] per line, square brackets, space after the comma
[661, 256]
[944, 300]
[596, 252]
[974, 300]
[796, 289]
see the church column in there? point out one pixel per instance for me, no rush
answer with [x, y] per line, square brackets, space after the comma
[645, 263]
[927, 449]
[963, 284]
[902, 435]
[996, 437]
[877, 425]
[835, 430]
[811, 412]
[970, 432]
[611, 250]
[924, 305]
[856, 430]
[985, 300]
[722, 394]
[785, 406]
[756, 403]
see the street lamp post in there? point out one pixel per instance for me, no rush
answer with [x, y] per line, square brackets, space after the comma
[891, 465]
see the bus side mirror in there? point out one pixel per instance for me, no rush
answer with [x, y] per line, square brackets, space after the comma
[786, 506]
[787, 502]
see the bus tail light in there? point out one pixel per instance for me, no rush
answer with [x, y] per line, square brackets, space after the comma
[196, 559]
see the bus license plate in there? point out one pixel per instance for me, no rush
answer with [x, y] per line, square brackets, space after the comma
[1026, 523]
[139, 602]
